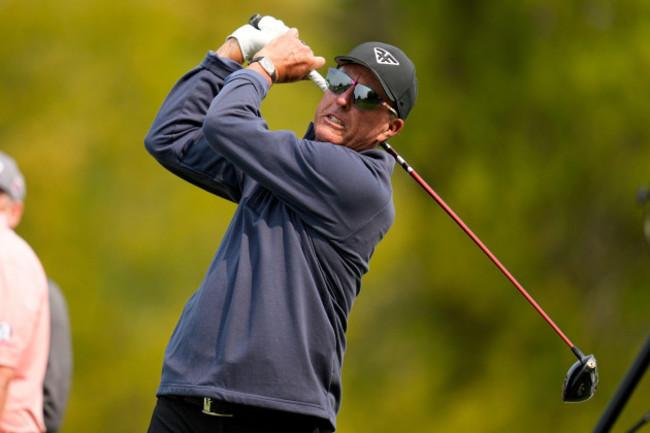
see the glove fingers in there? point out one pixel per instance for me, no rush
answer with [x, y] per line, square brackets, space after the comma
[271, 26]
[269, 22]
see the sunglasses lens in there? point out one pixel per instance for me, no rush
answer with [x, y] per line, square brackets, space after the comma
[366, 98]
[337, 81]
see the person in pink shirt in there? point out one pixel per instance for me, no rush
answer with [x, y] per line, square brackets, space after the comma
[24, 314]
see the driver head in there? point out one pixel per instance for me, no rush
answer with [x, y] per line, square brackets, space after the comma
[581, 380]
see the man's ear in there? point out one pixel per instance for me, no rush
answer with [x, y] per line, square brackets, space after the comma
[394, 127]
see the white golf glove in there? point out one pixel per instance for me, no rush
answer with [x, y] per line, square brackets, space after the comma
[272, 26]
[251, 40]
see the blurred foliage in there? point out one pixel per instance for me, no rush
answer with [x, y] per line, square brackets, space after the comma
[532, 122]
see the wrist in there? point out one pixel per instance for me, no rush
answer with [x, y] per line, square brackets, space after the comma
[264, 66]
[231, 50]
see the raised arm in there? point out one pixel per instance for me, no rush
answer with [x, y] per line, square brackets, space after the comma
[175, 138]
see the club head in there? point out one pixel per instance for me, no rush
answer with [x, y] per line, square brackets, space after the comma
[581, 380]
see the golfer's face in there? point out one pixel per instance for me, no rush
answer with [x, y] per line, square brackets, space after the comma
[339, 121]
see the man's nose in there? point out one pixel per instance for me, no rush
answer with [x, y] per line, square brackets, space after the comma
[346, 98]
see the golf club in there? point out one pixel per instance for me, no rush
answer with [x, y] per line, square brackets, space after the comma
[582, 378]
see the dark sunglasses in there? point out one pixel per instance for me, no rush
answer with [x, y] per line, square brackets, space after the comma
[364, 97]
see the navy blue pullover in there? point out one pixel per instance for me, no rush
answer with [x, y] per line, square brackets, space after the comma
[267, 325]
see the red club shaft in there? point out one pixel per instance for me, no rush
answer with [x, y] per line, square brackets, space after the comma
[476, 240]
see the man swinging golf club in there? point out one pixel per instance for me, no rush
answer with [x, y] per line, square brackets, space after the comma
[259, 346]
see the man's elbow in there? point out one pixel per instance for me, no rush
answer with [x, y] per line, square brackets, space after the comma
[150, 142]
[155, 143]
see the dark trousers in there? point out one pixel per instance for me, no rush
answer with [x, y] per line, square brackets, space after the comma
[182, 415]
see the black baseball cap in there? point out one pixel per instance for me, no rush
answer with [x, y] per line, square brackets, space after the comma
[395, 71]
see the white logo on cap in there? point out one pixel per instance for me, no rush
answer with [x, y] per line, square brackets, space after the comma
[384, 57]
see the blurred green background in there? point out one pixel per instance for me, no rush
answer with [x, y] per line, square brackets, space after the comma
[532, 123]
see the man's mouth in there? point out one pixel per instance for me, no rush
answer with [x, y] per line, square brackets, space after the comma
[335, 120]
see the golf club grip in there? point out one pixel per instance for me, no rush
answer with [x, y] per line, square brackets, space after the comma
[313, 75]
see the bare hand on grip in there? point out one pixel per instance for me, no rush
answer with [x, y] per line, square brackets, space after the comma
[292, 58]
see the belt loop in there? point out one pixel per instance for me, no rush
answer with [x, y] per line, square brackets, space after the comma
[207, 409]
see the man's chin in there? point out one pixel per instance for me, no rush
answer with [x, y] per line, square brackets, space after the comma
[326, 134]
